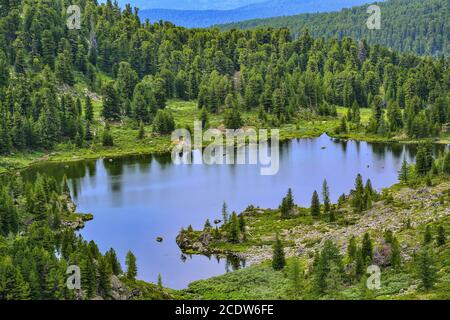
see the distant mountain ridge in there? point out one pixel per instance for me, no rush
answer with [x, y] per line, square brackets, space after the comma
[187, 4]
[270, 8]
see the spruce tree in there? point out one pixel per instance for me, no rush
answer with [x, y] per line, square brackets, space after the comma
[367, 248]
[107, 139]
[111, 102]
[358, 201]
[278, 260]
[130, 262]
[427, 237]
[426, 268]
[88, 109]
[441, 238]
[160, 283]
[225, 213]
[111, 257]
[404, 171]
[104, 278]
[141, 133]
[315, 205]
[204, 118]
[395, 254]
[234, 228]
[352, 249]
[326, 196]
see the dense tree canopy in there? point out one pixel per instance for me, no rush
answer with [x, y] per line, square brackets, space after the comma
[137, 66]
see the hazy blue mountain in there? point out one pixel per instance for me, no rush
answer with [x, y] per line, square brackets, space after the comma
[188, 4]
[270, 8]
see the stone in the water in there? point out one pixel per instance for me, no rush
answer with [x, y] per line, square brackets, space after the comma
[159, 239]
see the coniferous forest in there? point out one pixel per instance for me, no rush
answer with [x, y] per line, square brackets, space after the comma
[118, 84]
[408, 25]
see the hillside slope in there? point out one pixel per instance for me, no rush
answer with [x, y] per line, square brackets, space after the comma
[271, 8]
[426, 33]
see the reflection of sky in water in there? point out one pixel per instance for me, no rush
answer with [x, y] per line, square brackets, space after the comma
[135, 200]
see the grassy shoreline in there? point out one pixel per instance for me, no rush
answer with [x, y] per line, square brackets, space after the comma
[185, 113]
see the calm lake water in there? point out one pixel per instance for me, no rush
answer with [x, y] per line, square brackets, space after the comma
[137, 199]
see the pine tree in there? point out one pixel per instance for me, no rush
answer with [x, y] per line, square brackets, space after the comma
[88, 109]
[326, 196]
[107, 140]
[426, 268]
[367, 248]
[427, 237]
[289, 200]
[111, 102]
[225, 213]
[160, 283]
[441, 238]
[141, 133]
[207, 225]
[278, 260]
[130, 261]
[111, 257]
[104, 278]
[234, 228]
[404, 171]
[296, 277]
[204, 118]
[395, 254]
[343, 125]
[358, 201]
[352, 249]
[327, 269]
[315, 205]
[164, 122]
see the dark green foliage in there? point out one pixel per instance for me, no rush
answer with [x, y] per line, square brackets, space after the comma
[326, 196]
[111, 257]
[278, 259]
[130, 262]
[225, 213]
[88, 109]
[233, 228]
[107, 139]
[424, 160]
[426, 268]
[358, 196]
[282, 75]
[232, 118]
[207, 225]
[33, 266]
[315, 205]
[427, 237]
[367, 248]
[395, 254]
[287, 204]
[141, 133]
[441, 238]
[425, 34]
[352, 249]
[403, 175]
[204, 118]
[327, 269]
[163, 122]
[111, 103]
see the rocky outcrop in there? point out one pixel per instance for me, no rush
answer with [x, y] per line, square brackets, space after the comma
[198, 242]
